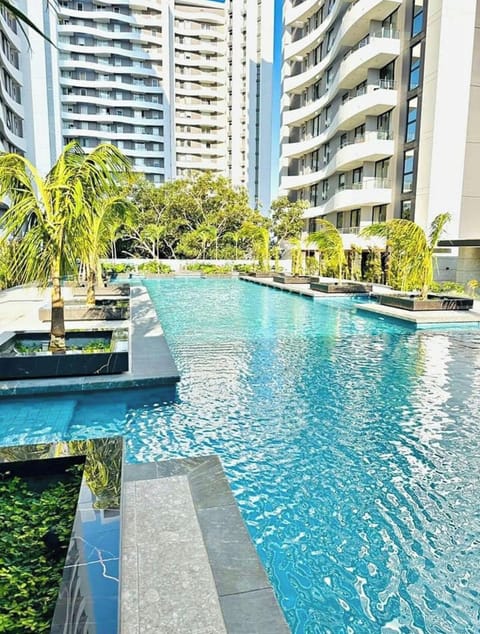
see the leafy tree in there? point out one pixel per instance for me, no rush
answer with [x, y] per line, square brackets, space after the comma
[287, 218]
[47, 215]
[410, 251]
[296, 255]
[199, 216]
[330, 244]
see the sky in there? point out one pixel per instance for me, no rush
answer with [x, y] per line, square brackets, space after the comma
[277, 63]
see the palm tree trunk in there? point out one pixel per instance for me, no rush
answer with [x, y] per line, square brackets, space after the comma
[57, 329]
[91, 279]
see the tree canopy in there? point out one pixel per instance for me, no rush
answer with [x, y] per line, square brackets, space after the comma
[287, 218]
[201, 216]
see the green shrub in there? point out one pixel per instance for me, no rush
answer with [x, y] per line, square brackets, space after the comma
[209, 269]
[447, 287]
[244, 268]
[154, 266]
[30, 574]
[118, 268]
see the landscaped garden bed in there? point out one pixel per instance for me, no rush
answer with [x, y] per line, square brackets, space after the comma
[38, 500]
[77, 310]
[94, 352]
[285, 278]
[431, 302]
[111, 290]
[341, 287]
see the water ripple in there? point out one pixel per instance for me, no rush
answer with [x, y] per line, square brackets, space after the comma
[351, 444]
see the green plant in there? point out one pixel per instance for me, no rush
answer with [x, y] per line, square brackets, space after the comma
[30, 574]
[373, 269]
[243, 268]
[472, 286]
[209, 269]
[23, 348]
[447, 287]
[154, 267]
[329, 242]
[296, 256]
[312, 266]
[409, 251]
[118, 268]
[48, 216]
[97, 346]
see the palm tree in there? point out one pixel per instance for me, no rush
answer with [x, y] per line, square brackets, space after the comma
[48, 215]
[329, 242]
[100, 216]
[410, 251]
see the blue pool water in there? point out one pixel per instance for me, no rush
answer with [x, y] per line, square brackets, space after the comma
[351, 444]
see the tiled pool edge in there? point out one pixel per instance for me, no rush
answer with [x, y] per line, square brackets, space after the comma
[245, 595]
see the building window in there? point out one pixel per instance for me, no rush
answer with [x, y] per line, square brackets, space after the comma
[316, 125]
[406, 211]
[357, 176]
[381, 168]
[417, 20]
[411, 132]
[341, 182]
[314, 200]
[328, 77]
[383, 125]
[326, 153]
[327, 111]
[324, 190]
[387, 76]
[330, 39]
[415, 57]
[355, 219]
[343, 140]
[408, 168]
[315, 160]
[379, 213]
[359, 133]
[339, 223]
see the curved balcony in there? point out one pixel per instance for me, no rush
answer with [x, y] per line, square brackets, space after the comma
[371, 148]
[209, 122]
[381, 48]
[209, 165]
[200, 46]
[75, 130]
[370, 192]
[106, 69]
[11, 137]
[16, 107]
[302, 11]
[202, 15]
[350, 114]
[310, 40]
[101, 32]
[190, 31]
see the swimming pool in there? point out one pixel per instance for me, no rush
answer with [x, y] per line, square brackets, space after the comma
[351, 444]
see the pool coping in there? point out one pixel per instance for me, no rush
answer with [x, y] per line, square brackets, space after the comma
[243, 593]
[151, 362]
[423, 319]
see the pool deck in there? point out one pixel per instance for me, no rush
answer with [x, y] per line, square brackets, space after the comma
[188, 565]
[419, 318]
[151, 363]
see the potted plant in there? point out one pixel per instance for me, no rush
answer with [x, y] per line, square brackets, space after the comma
[409, 267]
[296, 276]
[48, 217]
[330, 244]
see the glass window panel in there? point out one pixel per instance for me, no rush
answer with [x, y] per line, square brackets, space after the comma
[415, 56]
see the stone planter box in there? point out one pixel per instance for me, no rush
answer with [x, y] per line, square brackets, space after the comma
[111, 290]
[433, 302]
[260, 274]
[42, 364]
[283, 278]
[104, 309]
[341, 287]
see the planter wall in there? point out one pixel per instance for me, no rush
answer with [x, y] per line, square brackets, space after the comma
[341, 287]
[73, 363]
[261, 274]
[78, 311]
[291, 279]
[433, 302]
[111, 290]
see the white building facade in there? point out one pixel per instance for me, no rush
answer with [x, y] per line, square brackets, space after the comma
[178, 85]
[379, 114]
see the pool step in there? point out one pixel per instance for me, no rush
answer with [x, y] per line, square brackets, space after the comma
[188, 564]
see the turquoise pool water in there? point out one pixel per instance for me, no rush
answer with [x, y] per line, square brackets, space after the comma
[351, 444]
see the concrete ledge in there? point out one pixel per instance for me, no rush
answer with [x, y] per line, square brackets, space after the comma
[425, 319]
[244, 596]
[151, 363]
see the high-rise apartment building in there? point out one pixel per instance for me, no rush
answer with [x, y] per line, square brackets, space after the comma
[380, 116]
[178, 85]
